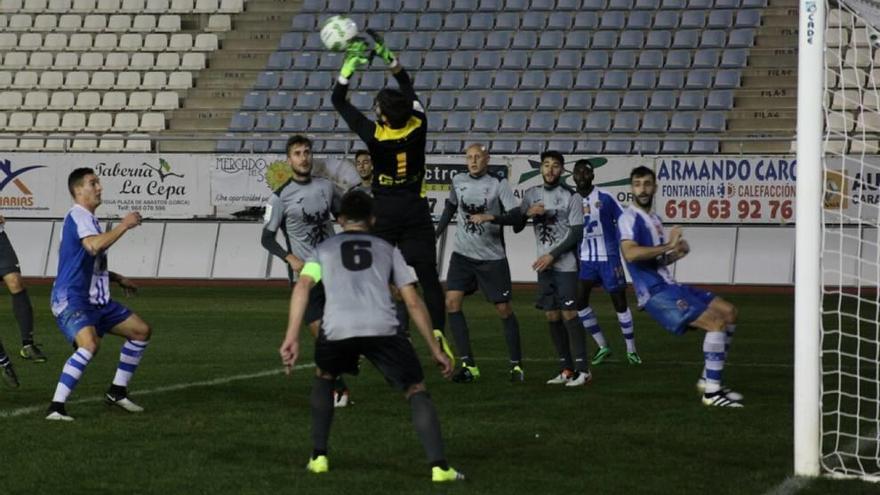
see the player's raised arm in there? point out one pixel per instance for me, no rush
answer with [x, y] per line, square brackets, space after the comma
[98, 243]
[355, 58]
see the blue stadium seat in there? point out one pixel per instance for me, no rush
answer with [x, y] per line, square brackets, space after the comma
[594, 4]
[551, 100]
[457, 21]
[490, 6]
[691, 100]
[472, 40]
[595, 59]
[604, 40]
[364, 6]
[741, 38]
[666, 19]
[618, 146]
[339, 6]
[524, 100]
[588, 79]
[659, 39]
[532, 79]
[597, 122]
[255, 100]
[279, 61]
[534, 21]
[419, 41]
[634, 101]
[448, 146]
[314, 6]
[675, 146]
[685, 38]
[646, 147]
[323, 122]
[522, 40]
[437, 121]
[499, 40]
[396, 40]
[462, 60]
[379, 21]
[620, 4]
[514, 122]
[626, 122]
[631, 40]
[643, 79]
[551, 40]
[465, 5]
[586, 21]
[670, 79]
[486, 122]
[468, 101]
[748, 18]
[308, 101]
[734, 58]
[306, 23]
[496, 101]
[508, 21]
[720, 19]
[678, 59]
[268, 80]
[713, 38]
[338, 146]
[683, 122]
[579, 100]
[479, 80]
[612, 19]
[313, 42]
[414, 6]
[506, 79]
[650, 59]
[280, 101]
[615, 79]
[606, 101]
[542, 60]
[376, 80]
[719, 99]
[268, 122]
[568, 5]
[727, 4]
[542, 5]
[430, 22]
[293, 80]
[228, 145]
[407, 59]
[320, 81]
[542, 122]
[531, 147]
[673, 4]
[327, 103]
[622, 59]
[479, 23]
[404, 22]
[561, 146]
[571, 122]
[699, 79]
[706, 58]
[305, 61]
[712, 122]
[434, 60]
[517, 5]
[751, 4]
[655, 122]
[590, 146]
[291, 41]
[362, 100]
[577, 40]
[568, 59]
[492, 60]
[700, 4]
[242, 122]
[708, 146]
[424, 80]
[295, 122]
[560, 79]
[333, 61]
[693, 19]
[639, 20]
[502, 147]
[560, 21]
[647, 5]
[391, 6]
[663, 100]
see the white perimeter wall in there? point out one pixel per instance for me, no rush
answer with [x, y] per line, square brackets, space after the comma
[232, 250]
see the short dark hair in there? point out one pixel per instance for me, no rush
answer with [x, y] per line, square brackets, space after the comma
[357, 206]
[75, 179]
[584, 162]
[297, 139]
[555, 155]
[360, 152]
[642, 171]
[396, 107]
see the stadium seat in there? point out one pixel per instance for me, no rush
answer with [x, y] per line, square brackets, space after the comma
[684, 38]
[568, 5]
[76, 80]
[709, 146]
[486, 122]
[595, 59]
[618, 146]
[243, 122]
[469, 5]
[513, 122]
[156, 6]
[699, 79]
[94, 23]
[579, 100]
[634, 101]
[606, 101]
[144, 23]
[559, 21]
[113, 100]
[720, 100]
[90, 61]
[656, 122]
[452, 80]
[597, 122]
[502, 147]
[104, 80]
[107, 6]
[115, 61]
[678, 59]
[532, 80]
[462, 60]
[712, 122]
[549, 100]
[639, 20]
[99, 122]
[25, 80]
[472, 40]
[319, 81]
[468, 101]
[496, 100]
[142, 61]
[663, 100]
[152, 80]
[458, 122]
[140, 100]
[585, 21]
[55, 42]
[505, 79]
[670, 80]
[683, 122]
[659, 40]
[706, 58]
[294, 122]
[155, 42]
[603, 40]
[591, 146]
[477, 23]
[615, 79]
[691, 100]
[571, 122]
[675, 146]
[551, 40]
[748, 18]
[50, 80]
[646, 146]
[666, 19]
[268, 122]
[129, 42]
[560, 79]
[734, 59]
[20, 122]
[430, 22]
[255, 100]
[499, 40]
[588, 79]
[27, 41]
[423, 80]
[612, 19]
[525, 100]
[568, 59]
[10, 100]
[47, 122]
[72, 121]
[713, 38]
[445, 41]
[61, 100]
[513, 59]
[693, 19]
[479, 80]
[280, 101]
[440, 100]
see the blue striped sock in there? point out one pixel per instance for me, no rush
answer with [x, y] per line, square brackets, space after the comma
[71, 373]
[129, 358]
[589, 321]
[713, 351]
[626, 328]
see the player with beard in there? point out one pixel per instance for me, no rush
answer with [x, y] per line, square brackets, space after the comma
[555, 210]
[302, 208]
[676, 307]
[484, 204]
[600, 262]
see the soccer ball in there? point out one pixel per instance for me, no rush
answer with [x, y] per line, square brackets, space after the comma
[337, 31]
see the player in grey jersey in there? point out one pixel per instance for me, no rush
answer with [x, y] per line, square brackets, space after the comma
[557, 216]
[356, 268]
[484, 204]
[302, 209]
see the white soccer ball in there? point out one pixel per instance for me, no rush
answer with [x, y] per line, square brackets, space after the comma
[337, 31]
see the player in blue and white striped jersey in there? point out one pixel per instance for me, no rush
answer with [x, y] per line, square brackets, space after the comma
[81, 299]
[600, 262]
[676, 307]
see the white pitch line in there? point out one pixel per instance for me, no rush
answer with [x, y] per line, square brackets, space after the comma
[790, 486]
[168, 388]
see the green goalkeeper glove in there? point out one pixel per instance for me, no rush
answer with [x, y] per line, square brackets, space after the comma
[381, 50]
[355, 58]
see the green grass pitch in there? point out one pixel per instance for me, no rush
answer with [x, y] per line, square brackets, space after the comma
[213, 427]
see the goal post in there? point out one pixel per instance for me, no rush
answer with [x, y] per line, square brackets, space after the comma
[808, 237]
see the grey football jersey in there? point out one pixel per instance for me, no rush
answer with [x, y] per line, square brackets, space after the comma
[303, 210]
[484, 194]
[562, 209]
[356, 269]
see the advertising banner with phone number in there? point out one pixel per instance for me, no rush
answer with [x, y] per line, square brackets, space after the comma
[726, 189]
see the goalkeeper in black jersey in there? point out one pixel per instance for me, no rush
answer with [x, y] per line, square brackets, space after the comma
[396, 142]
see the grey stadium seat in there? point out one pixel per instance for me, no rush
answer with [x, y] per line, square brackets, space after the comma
[532, 80]
[678, 59]
[712, 122]
[623, 60]
[639, 20]
[598, 122]
[685, 38]
[462, 60]
[727, 79]
[479, 80]
[256, 100]
[683, 122]
[659, 39]
[295, 122]
[693, 19]
[612, 19]
[618, 146]
[560, 20]
[323, 122]
[720, 99]
[646, 146]
[459, 22]
[705, 146]
[691, 100]
[699, 79]
[319, 80]
[626, 122]
[280, 101]
[479, 23]
[309, 101]
[542, 122]
[560, 79]
[542, 59]
[551, 100]
[670, 79]
[720, 19]
[486, 122]
[293, 80]
[551, 40]
[468, 101]
[577, 40]
[268, 80]
[675, 147]
[588, 79]
[748, 18]
[579, 100]
[634, 100]
[498, 146]
[445, 40]
[663, 100]
[452, 80]
[713, 38]
[568, 59]
[650, 59]
[524, 100]
[604, 40]
[590, 146]
[631, 39]
[458, 122]
[522, 40]
[666, 19]
[534, 21]
[615, 79]
[706, 58]
[514, 59]
[441, 100]
[508, 20]
[505, 79]
[499, 40]
[496, 101]
[574, 122]
[655, 122]
[606, 101]
[586, 20]
[561, 146]
[643, 79]
[595, 59]
[242, 122]
[734, 59]
[513, 122]
[291, 41]
[268, 122]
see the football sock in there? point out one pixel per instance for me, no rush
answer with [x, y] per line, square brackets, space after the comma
[322, 413]
[728, 331]
[433, 292]
[578, 341]
[461, 336]
[427, 425]
[588, 319]
[713, 350]
[129, 358]
[71, 373]
[511, 336]
[559, 336]
[626, 328]
[24, 315]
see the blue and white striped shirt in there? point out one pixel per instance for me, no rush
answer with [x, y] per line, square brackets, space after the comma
[82, 279]
[601, 240]
[646, 229]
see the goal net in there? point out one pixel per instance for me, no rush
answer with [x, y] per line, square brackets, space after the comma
[849, 419]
